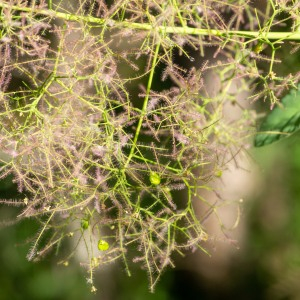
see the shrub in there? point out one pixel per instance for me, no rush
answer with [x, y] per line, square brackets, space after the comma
[98, 149]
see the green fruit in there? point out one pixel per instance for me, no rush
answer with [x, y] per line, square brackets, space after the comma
[258, 47]
[103, 245]
[154, 178]
[85, 224]
[218, 173]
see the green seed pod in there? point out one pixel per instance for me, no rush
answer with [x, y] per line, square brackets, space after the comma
[103, 245]
[154, 178]
[258, 47]
[218, 173]
[85, 224]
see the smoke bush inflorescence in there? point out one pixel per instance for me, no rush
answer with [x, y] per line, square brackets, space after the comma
[92, 156]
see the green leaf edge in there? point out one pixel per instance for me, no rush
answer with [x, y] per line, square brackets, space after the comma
[270, 131]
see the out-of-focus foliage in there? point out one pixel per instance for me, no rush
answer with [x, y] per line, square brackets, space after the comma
[282, 121]
[274, 220]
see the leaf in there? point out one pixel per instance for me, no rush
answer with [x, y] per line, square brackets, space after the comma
[282, 121]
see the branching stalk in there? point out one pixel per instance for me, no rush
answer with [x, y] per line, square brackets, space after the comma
[182, 30]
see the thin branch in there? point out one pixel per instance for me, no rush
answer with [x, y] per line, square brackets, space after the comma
[182, 30]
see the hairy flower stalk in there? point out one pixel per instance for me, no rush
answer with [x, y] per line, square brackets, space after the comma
[98, 149]
[163, 29]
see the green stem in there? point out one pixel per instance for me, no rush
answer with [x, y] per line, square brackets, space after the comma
[183, 30]
[145, 104]
[50, 4]
[32, 252]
